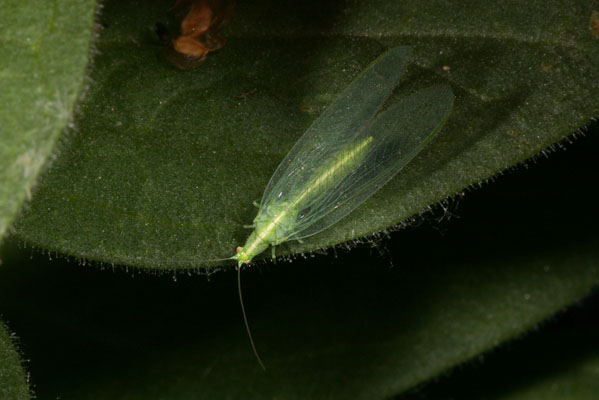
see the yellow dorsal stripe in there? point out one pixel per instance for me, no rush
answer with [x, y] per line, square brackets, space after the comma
[333, 169]
[347, 157]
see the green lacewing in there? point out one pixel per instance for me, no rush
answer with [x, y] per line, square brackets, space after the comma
[349, 152]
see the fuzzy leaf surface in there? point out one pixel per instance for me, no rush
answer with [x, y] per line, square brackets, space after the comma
[44, 51]
[163, 164]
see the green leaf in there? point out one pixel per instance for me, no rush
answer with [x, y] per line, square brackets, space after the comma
[579, 380]
[345, 327]
[163, 164]
[560, 361]
[13, 384]
[44, 51]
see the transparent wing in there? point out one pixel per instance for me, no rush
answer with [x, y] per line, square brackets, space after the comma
[338, 124]
[350, 152]
[398, 135]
